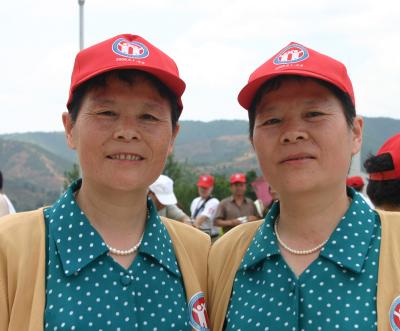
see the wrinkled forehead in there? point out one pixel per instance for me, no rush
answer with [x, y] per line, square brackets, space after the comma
[302, 91]
[275, 84]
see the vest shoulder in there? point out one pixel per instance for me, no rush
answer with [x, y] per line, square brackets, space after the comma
[389, 218]
[184, 231]
[21, 229]
[239, 235]
[21, 221]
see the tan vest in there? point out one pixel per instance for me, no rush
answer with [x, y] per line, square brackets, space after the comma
[227, 253]
[23, 258]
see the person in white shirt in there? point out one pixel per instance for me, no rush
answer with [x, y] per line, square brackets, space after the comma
[203, 208]
[6, 206]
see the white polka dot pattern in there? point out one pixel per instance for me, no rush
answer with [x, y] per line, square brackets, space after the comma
[87, 290]
[336, 292]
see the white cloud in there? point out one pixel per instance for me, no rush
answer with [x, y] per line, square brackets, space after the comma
[216, 44]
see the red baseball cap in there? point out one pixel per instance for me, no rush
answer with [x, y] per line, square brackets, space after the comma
[296, 59]
[238, 178]
[126, 51]
[392, 147]
[205, 181]
[355, 181]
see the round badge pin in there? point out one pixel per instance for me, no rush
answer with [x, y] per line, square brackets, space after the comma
[198, 317]
[394, 314]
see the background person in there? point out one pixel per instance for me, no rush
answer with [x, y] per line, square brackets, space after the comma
[162, 194]
[357, 183]
[236, 209]
[384, 175]
[6, 206]
[204, 207]
[100, 257]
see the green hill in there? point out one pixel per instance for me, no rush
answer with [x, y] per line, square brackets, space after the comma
[34, 163]
[33, 176]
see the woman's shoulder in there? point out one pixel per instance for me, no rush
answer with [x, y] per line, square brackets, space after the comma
[21, 226]
[239, 236]
[184, 231]
[389, 218]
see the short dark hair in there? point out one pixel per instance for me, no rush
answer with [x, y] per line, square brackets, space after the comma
[1, 180]
[382, 192]
[275, 83]
[128, 76]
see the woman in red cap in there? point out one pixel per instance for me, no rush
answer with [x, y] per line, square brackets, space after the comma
[384, 175]
[315, 261]
[100, 258]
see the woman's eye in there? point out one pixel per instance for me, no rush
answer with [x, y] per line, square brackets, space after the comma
[107, 113]
[149, 117]
[272, 121]
[314, 114]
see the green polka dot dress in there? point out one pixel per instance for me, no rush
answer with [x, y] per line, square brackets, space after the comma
[336, 292]
[87, 290]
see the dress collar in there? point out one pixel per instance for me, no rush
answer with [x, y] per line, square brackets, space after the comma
[78, 242]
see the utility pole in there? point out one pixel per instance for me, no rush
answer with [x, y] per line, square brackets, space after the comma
[81, 5]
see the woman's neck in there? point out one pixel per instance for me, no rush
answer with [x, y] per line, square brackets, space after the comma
[113, 211]
[309, 218]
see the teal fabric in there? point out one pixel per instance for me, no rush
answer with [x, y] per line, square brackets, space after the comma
[336, 292]
[87, 290]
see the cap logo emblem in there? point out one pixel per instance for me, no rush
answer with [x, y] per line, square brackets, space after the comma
[394, 314]
[293, 53]
[130, 49]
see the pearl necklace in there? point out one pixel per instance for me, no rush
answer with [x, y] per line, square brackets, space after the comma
[124, 252]
[295, 251]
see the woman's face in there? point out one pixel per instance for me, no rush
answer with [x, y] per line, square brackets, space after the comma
[123, 135]
[301, 138]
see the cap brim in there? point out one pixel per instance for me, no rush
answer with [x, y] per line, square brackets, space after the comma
[247, 94]
[204, 185]
[166, 199]
[174, 83]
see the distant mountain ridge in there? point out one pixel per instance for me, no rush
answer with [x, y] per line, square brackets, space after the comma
[33, 176]
[34, 163]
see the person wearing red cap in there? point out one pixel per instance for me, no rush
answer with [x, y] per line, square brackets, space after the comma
[204, 207]
[236, 209]
[355, 182]
[100, 257]
[384, 175]
[315, 261]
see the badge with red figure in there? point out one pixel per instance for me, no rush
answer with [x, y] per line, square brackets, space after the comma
[198, 313]
[394, 314]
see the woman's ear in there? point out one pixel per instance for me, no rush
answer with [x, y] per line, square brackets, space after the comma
[357, 131]
[68, 126]
[174, 135]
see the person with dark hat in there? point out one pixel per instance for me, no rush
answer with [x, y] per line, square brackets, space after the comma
[100, 258]
[321, 259]
[236, 209]
[384, 175]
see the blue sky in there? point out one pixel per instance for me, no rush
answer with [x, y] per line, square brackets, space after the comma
[216, 44]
